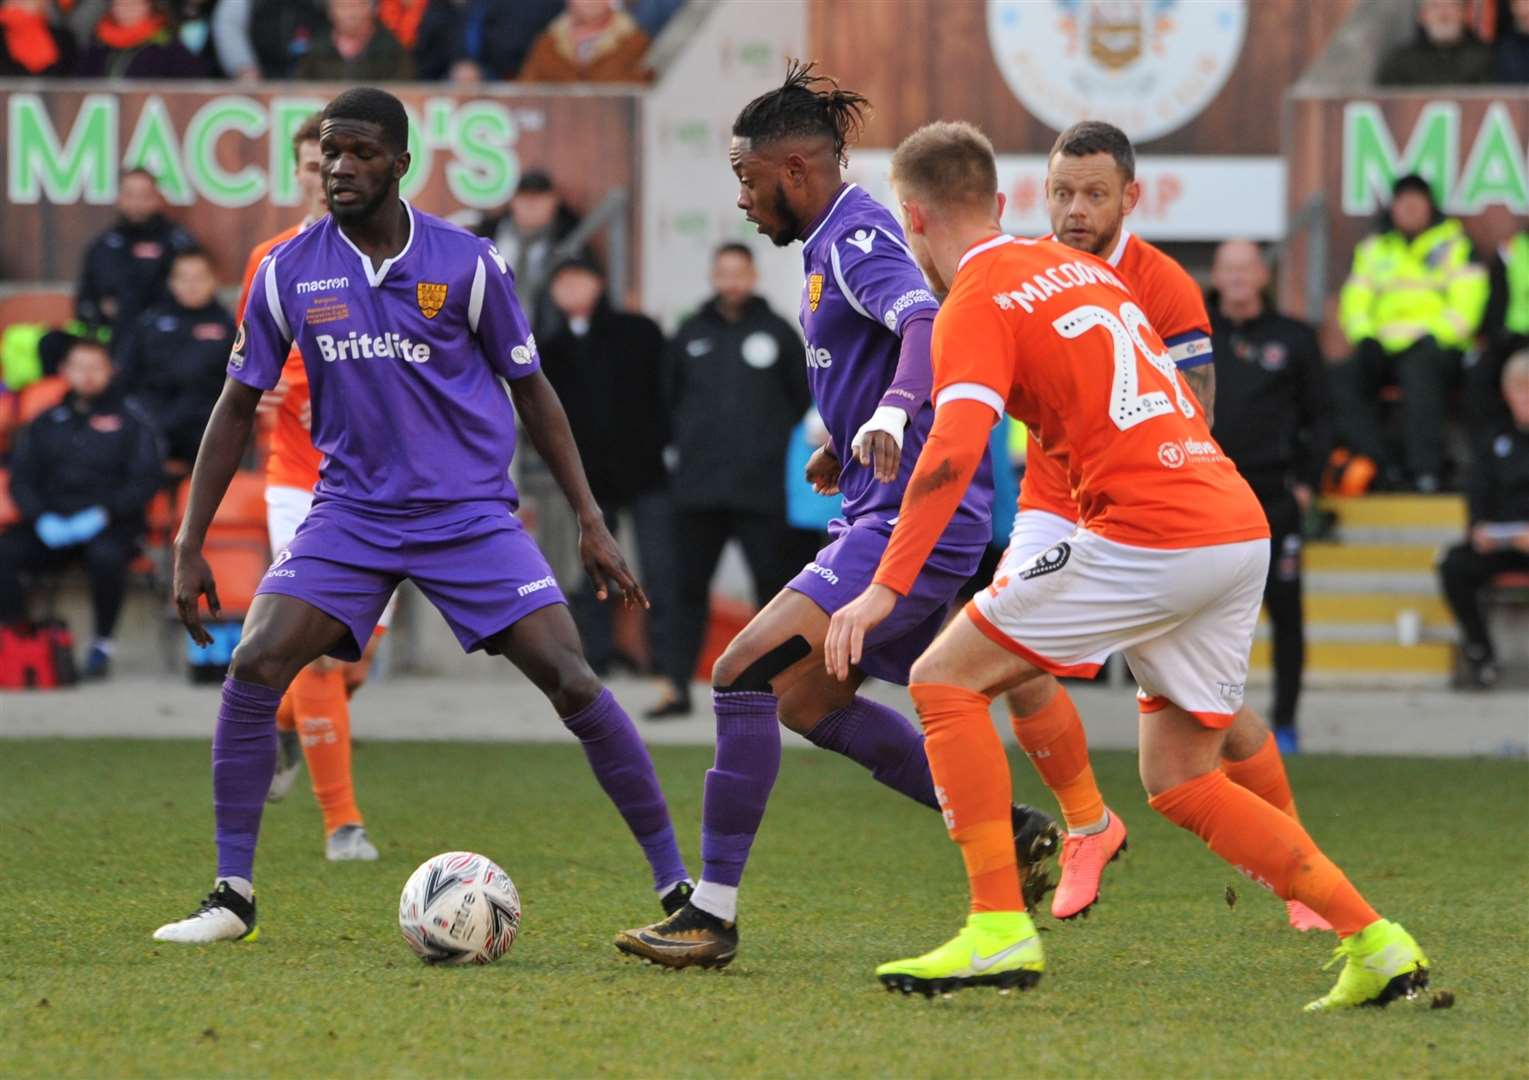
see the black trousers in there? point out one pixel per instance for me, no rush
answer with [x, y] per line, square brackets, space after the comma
[652, 516]
[106, 558]
[1282, 599]
[773, 550]
[1426, 373]
[1463, 573]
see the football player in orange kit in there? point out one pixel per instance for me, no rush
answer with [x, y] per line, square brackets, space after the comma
[1167, 565]
[316, 709]
[1091, 187]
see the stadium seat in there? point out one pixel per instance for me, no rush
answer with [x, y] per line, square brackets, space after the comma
[53, 308]
[9, 404]
[39, 398]
[241, 515]
[237, 568]
[9, 514]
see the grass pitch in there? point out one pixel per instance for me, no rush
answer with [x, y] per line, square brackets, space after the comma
[102, 841]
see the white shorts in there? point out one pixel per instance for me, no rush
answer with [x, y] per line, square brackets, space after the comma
[1184, 618]
[1034, 531]
[285, 508]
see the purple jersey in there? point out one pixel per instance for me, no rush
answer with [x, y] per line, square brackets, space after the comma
[404, 362]
[862, 287]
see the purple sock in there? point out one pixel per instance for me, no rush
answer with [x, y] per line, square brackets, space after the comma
[738, 783]
[621, 763]
[243, 762]
[883, 741]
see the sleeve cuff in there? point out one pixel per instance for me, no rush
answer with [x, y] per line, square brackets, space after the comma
[969, 391]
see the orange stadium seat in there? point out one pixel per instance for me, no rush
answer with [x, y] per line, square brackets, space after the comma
[53, 308]
[40, 397]
[9, 514]
[237, 568]
[241, 515]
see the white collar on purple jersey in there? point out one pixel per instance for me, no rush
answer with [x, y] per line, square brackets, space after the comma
[986, 245]
[375, 278]
[847, 189]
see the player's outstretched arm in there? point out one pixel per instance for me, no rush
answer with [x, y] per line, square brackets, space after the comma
[223, 443]
[547, 424]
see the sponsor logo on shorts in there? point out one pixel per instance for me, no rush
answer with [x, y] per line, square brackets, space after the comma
[1048, 561]
[322, 284]
[282, 557]
[538, 585]
[823, 572]
[1232, 691]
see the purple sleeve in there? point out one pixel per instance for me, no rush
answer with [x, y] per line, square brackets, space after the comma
[914, 377]
[875, 271]
[495, 317]
[264, 339]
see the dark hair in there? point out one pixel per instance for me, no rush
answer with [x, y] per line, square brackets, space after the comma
[85, 343]
[192, 252]
[139, 170]
[372, 106]
[804, 105]
[733, 247]
[1097, 137]
[583, 263]
[309, 132]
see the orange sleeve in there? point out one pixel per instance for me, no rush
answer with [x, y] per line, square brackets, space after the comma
[249, 275]
[1172, 299]
[944, 471]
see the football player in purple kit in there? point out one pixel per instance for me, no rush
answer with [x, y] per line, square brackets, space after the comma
[867, 315]
[406, 325]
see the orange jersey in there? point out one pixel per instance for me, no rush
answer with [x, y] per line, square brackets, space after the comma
[293, 462]
[1176, 309]
[1057, 340]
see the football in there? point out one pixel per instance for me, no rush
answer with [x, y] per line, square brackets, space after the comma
[459, 908]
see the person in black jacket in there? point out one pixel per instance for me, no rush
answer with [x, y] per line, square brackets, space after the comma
[1498, 541]
[172, 361]
[606, 366]
[81, 475]
[737, 387]
[126, 266]
[1274, 421]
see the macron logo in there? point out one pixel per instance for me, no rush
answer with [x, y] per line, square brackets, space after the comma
[536, 586]
[823, 572]
[863, 239]
[322, 285]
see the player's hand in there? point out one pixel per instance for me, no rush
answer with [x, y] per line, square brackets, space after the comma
[606, 566]
[191, 581]
[879, 442]
[823, 469]
[848, 629]
[1521, 542]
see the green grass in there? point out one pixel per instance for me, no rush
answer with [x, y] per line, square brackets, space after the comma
[101, 841]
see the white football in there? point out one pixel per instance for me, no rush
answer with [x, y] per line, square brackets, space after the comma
[459, 908]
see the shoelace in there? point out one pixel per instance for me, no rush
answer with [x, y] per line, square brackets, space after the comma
[1341, 952]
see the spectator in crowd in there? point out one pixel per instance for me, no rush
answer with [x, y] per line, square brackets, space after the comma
[356, 48]
[1510, 52]
[1443, 51]
[266, 37]
[473, 41]
[1498, 540]
[736, 387]
[136, 40]
[653, 15]
[172, 361]
[1504, 330]
[32, 44]
[607, 369]
[1274, 421]
[81, 475]
[532, 233]
[126, 266]
[1412, 301]
[593, 41]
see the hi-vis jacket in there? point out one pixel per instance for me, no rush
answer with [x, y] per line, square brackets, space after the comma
[1400, 291]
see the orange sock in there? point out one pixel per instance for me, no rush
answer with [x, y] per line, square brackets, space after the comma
[1053, 737]
[286, 715]
[1266, 845]
[971, 779]
[323, 721]
[1264, 775]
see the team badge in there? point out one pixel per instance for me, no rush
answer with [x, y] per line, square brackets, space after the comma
[1047, 562]
[431, 298]
[814, 290]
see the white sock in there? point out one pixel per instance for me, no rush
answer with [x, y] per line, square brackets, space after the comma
[667, 889]
[240, 885]
[1092, 830]
[718, 900]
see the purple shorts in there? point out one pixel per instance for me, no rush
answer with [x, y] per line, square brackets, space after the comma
[474, 562]
[844, 569]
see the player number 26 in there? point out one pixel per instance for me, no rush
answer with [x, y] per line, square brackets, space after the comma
[1128, 405]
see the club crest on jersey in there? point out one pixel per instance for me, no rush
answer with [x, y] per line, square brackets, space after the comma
[430, 297]
[814, 290]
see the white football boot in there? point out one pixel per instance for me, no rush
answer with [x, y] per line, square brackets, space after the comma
[223, 916]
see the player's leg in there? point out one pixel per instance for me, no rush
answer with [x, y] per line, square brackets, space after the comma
[953, 684]
[544, 645]
[285, 508]
[281, 635]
